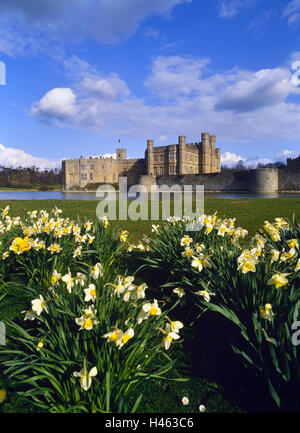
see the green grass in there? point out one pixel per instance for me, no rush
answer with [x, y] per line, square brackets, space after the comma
[249, 213]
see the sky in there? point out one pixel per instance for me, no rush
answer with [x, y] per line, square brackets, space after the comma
[78, 76]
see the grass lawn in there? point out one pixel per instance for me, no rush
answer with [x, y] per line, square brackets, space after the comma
[249, 213]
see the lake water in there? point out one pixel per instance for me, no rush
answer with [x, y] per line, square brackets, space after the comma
[56, 195]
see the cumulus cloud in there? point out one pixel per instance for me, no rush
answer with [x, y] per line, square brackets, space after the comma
[188, 98]
[11, 157]
[29, 26]
[231, 159]
[59, 103]
[261, 89]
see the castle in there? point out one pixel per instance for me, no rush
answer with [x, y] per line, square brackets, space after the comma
[174, 159]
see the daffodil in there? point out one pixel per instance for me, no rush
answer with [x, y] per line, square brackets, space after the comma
[39, 305]
[147, 310]
[175, 325]
[188, 252]
[20, 245]
[168, 336]
[80, 279]
[87, 320]
[114, 335]
[124, 236]
[55, 277]
[247, 265]
[5, 211]
[96, 271]
[179, 292]
[85, 377]
[293, 243]
[185, 401]
[40, 346]
[205, 294]
[197, 263]
[297, 268]
[90, 293]
[154, 228]
[68, 280]
[120, 342]
[77, 252]
[186, 241]
[266, 312]
[2, 395]
[278, 280]
[5, 255]
[54, 248]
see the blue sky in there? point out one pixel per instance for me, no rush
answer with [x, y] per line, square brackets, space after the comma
[80, 75]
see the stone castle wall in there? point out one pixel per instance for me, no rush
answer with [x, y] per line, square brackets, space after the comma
[249, 181]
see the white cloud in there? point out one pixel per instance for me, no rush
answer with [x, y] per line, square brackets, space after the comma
[231, 159]
[292, 13]
[261, 89]
[105, 88]
[237, 105]
[230, 8]
[11, 157]
[163, 138]
[58, 103]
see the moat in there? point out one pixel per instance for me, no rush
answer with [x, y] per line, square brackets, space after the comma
[56, 195]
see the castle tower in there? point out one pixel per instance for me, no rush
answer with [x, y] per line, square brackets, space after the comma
[206, 153]
[149, 157]
[121, 154]
[218, 160]
[181, 159]
[213, 157]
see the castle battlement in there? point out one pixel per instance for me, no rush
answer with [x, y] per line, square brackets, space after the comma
[173, 159]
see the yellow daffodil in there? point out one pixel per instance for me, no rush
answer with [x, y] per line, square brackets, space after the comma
[168, 336]
[20, 245]
[120, 342]
[278, 280]
[2, 395]
[266, 312]
[54, 248]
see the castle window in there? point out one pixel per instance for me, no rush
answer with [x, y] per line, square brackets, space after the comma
[155, 158]
[155, 170]
[82, 167]
[161, 157]
[91, 176]
[83, 176]
[161, 171]
[92, 167]
[172, 157]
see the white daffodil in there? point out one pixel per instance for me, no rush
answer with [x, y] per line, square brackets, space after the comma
[90, 293]
[205, 294]
[87, 320]
[96, 271]
[39, 305]
[197, 263]
[185, 241]
[125, 338]
[147, 310]
[68, 280]
[114, 335]
[80, 279]
[185, 401]
[55, 277]
[175, 325]
[169, 336]
[179, 292]
[85, 377]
